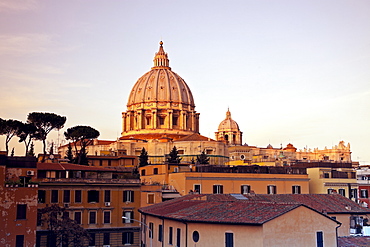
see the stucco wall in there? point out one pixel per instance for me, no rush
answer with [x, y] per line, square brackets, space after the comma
[298, 228]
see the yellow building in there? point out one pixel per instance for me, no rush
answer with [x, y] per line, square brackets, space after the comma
[223, 179]
[328, 180]
[233, 220]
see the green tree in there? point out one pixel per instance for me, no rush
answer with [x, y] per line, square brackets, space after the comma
[173, 156]
[26, 134]
[31, 152]
[81, 136]
[143, 158]
[203, 158]
[51, 149]
[45, 122]
[9, 128]
[62, 229]
[69, 153]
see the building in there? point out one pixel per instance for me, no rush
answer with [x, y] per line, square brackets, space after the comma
[233, 220]
[160, 115]
[18, 201]
[363, 180]
[208, 179]
[94, 199]
[328, 180]
[350, 214]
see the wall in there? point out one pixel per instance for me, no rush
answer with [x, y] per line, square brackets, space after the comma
[298, 228]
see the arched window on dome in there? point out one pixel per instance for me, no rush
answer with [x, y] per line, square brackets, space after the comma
[226, 137]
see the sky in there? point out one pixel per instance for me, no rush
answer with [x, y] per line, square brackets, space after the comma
[289, 71]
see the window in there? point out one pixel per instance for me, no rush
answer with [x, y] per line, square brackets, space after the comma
[77, 217]
[78, 196]
[296, 189]
[245, 189]
[127, 238]
[353, 193]
[106, 238]
[67, 196]
[128, 196]
[170, 235]
[161, 120]
[151, 227]
[93, 196]
[195, 236]
[271, 189]
[364, 193]
[326, 175]
[218, 189]
[319, 239]
[92, 239]
[330, 191]
[178, 237]
[19, 241]
[155, 171]
[229, 239]
[197, 188]
[143, 172]
[41, 196]
[107, 196]
[21, 211]
[160, 233]
[92, 217]
[106, 217]
[174, 120]
[342, 192]
[54, 196]
[150, 198]
[129, 215]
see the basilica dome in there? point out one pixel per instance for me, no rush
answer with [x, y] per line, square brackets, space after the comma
[160, 104]
[228, 130]
[228, 124]
[161, 85]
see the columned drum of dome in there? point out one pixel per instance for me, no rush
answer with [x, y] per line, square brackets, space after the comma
[160, 103]
[229, 131]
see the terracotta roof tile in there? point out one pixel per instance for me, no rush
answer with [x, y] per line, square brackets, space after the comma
[354, 241]
[195, 137]
[207, 208]
[328, 203]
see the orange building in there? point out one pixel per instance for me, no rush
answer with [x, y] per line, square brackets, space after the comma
[94, 199]
[18, 201]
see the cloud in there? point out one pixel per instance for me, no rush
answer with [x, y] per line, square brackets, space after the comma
[18, 5]
[23, 44]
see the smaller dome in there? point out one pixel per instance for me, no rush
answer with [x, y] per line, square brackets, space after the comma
[228, 124]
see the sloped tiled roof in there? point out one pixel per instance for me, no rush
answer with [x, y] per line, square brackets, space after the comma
[354, 241]
[68, 167]
[219, 209]
[327, 203]
[195, 137]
